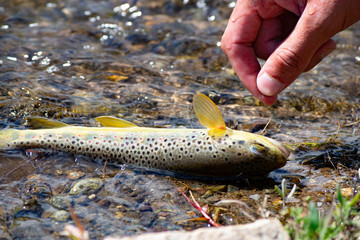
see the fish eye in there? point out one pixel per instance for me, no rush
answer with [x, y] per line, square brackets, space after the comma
[258, 149]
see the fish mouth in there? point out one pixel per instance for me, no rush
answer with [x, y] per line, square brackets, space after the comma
[284, 150]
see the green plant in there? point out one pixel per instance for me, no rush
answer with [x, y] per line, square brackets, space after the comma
[341, 220]
[282, 191]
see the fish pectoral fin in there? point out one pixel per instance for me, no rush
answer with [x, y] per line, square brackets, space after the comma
[41, 122]
[207, 112]
[108, 121]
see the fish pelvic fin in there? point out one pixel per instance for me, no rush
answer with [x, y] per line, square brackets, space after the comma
[208, 114]
[41, 122]
[108, 121]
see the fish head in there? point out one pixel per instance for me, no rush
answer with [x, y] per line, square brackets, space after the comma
[255, 155]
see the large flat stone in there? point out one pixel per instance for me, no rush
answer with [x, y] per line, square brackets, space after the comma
[263, 229]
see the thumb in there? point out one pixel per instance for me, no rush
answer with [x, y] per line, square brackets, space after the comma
[302, 50]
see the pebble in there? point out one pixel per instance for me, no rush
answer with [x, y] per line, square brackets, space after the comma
[60, 201]
[86, 186]
[61, 216]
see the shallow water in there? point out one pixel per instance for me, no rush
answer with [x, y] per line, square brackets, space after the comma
[143, 61]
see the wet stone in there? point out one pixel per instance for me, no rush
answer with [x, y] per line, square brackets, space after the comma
[86, 186]
[60, 201]
[29, 229]
[37, 190]
[61, 216]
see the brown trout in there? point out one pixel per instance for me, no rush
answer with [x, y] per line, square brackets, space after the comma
[216, 151]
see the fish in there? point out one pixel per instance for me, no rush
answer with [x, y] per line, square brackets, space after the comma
[214, 151]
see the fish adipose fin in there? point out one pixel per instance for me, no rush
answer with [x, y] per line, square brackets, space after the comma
[108, 121]
[41, 122]
[208, 114]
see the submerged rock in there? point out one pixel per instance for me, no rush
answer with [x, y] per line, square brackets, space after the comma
[61, 216]
[86, 186]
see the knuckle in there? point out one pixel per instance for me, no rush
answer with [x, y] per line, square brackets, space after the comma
[289, 59]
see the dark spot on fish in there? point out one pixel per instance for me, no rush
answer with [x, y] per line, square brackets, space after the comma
[42, 142]
[239, 153]
[199, 142]
[210, 148]
[241, 142]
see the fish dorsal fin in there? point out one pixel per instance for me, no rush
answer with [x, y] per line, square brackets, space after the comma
[108, 121]
[208, 114]
[41, 122]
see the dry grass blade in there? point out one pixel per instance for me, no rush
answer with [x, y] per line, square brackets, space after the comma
[196, 205]
[76, 232]
[245, 210]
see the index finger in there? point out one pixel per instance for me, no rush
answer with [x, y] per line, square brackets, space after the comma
[237, 43]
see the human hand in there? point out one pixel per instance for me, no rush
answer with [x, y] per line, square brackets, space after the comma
[293, 35]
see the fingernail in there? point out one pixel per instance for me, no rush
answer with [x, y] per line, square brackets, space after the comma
[268, 85]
